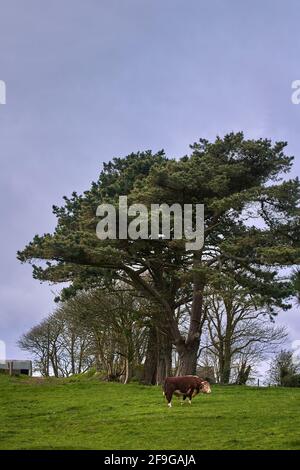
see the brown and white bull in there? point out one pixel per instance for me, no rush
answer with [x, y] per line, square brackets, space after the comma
[187, 386]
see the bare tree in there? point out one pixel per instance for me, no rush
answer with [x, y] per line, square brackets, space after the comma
[37, 342]
[239, 333]
[101, 327]
[115, 321]
[58, 347]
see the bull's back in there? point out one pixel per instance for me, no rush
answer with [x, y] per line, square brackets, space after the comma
[182, 383]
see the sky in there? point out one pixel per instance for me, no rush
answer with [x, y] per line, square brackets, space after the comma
[88, 81]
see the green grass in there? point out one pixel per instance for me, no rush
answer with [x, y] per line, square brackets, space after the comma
[89, 414]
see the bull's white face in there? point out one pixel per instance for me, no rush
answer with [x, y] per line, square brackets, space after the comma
[205, 387]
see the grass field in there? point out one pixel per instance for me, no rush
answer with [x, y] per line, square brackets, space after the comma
[89, 414]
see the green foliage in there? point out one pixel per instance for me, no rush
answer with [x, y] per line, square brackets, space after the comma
[292, 380]
[235, 179]
[284, 370]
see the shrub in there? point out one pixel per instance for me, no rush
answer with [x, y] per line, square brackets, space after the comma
[292, 380]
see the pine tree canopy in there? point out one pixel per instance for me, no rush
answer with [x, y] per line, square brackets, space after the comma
[251, 224]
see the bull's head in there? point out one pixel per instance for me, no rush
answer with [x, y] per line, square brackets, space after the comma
[205, 387]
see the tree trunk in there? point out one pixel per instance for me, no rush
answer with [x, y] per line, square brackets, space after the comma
[243, 374]
[99, 360]
[188, 354]
[150, 365]
[54, 365]
[225, 368]
[128, 371]
[158, 361]
[188, 350]
[73, 369]
[225, 374]
[129, 359]
[164, 357]
[227, 340]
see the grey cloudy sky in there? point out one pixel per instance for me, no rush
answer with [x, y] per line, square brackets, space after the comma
[90, 80]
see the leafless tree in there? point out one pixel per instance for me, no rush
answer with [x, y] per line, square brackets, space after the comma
[97, 327]
[58, 346]
[239, 334]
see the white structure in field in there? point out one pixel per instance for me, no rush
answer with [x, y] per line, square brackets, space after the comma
[16, 367]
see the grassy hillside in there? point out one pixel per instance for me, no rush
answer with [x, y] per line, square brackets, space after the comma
[88, 414]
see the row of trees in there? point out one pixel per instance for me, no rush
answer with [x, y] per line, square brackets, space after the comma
[112, 332]
[214, 301]
[94, 329]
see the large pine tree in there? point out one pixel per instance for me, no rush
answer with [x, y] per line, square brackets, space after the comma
[251, 230]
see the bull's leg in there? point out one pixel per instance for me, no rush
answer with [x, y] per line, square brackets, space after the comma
[183, 398]
[190, 395]
[168, 396]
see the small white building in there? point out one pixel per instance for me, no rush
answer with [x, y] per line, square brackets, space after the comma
[16, 367]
